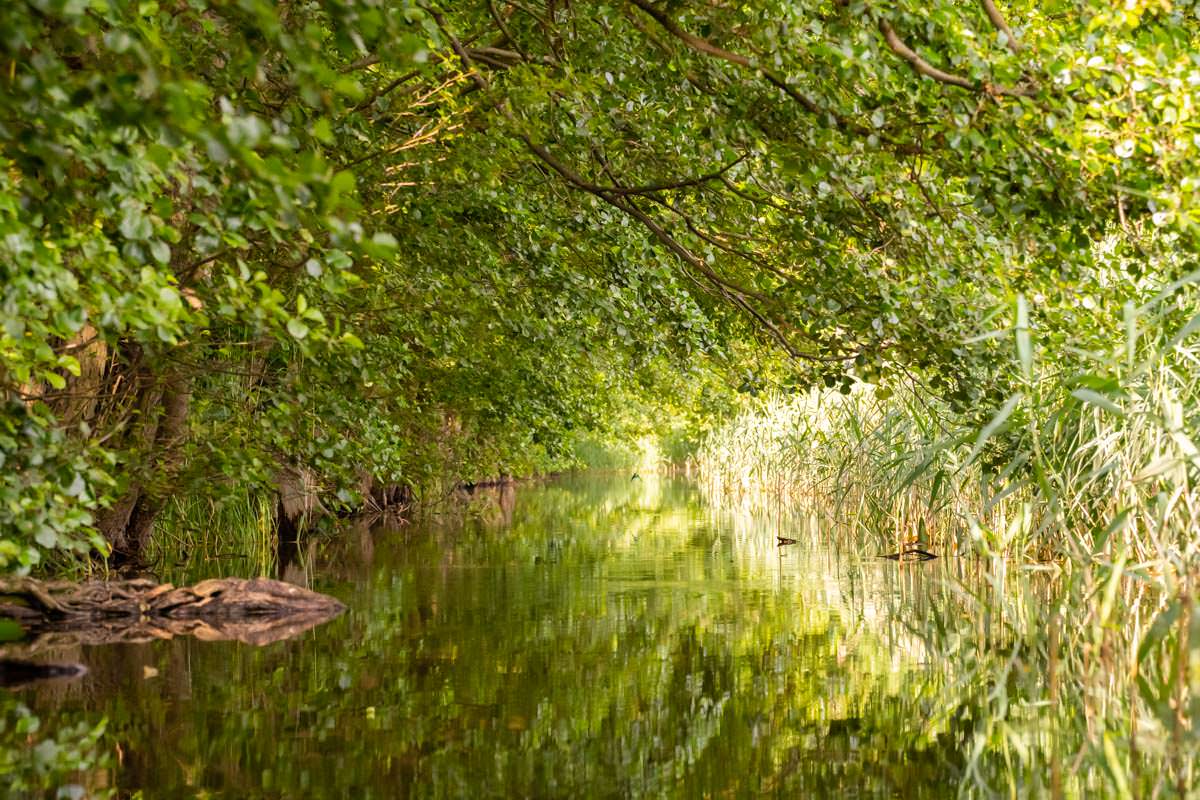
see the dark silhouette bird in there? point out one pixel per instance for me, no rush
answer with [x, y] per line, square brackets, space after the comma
[910, 552]
[785, 540]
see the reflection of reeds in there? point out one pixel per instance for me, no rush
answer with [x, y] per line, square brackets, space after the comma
[1076, 495]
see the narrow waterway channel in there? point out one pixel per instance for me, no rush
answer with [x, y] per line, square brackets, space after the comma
[594, 636]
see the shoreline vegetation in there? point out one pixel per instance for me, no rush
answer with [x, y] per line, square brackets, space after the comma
[1076, 497]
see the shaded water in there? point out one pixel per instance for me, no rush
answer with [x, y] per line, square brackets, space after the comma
[591, 637]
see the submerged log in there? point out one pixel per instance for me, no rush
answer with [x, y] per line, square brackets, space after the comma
[910, 553]
[256, 611]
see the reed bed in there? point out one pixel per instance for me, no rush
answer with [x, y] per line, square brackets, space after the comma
[1076, 498]
[198, 537]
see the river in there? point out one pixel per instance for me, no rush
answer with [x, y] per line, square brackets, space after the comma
[591, 636]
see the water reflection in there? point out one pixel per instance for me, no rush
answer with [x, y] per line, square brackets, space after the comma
[591, 637]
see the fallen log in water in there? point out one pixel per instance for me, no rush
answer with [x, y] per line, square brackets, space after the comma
[256, 611]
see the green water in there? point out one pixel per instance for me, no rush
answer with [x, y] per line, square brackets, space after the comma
[591, 637]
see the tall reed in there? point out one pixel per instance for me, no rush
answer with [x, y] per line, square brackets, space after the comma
[1077, 494]
[197, 536]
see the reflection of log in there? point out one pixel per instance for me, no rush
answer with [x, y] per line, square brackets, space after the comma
[16, 673]
[257, 611]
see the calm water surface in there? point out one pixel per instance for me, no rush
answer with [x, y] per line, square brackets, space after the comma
[590, 637]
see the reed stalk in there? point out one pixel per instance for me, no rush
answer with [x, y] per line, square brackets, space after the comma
[1077, 498]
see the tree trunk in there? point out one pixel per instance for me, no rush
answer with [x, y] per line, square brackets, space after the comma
[154, 443]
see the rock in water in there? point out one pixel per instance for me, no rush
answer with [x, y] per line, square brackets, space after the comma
[239, 599]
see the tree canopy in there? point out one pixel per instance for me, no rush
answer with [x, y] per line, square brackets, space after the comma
[368, 241]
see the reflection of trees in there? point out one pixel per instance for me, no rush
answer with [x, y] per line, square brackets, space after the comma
[612, 635]
[38, 759]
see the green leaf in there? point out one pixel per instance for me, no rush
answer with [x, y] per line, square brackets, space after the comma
[297, 328]
[343, 182]
[77, 487]
[322, 131]
[349, 88]
[46, 537]
[1097, 399]
[160, 251]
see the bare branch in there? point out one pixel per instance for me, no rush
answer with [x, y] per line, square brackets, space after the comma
[500, 23]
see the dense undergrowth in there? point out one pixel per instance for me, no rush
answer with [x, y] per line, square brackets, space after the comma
[366, 247]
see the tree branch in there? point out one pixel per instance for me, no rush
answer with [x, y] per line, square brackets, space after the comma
[923, 67]
[622, 198]
[778, 81]
[708, 48]
[998, 22]
[920, 65]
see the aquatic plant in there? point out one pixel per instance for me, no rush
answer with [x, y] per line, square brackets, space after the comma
[1081, 483]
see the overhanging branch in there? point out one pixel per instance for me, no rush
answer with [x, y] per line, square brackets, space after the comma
[777, 80]
[923, 67]
[623, 199]
[997, 20]
[920, 65]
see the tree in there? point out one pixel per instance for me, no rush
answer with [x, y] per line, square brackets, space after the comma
[351, 241]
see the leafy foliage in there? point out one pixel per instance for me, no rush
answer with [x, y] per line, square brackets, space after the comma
[411, 243]
[38, 760]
